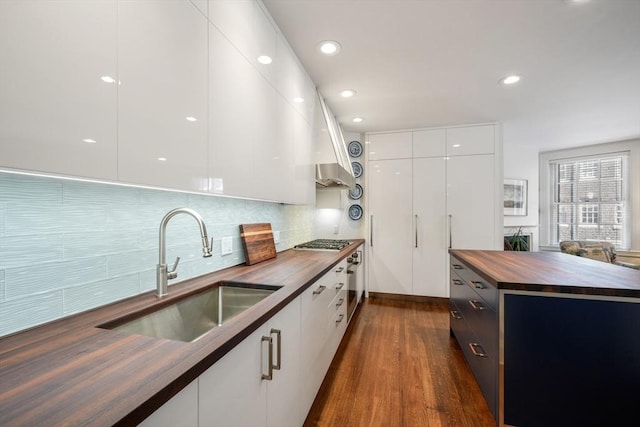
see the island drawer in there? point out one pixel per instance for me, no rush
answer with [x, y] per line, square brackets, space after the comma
[485, 290]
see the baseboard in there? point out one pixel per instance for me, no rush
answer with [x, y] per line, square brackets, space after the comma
[410, 298]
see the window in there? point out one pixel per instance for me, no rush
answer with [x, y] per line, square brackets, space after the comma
[590, 199]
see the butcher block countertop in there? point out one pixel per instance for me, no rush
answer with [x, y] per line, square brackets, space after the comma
[71, 372]
[551, 272]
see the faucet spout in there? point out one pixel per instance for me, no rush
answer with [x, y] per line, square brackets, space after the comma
[162, 273]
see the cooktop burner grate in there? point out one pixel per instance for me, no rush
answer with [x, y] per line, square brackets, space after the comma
[324, 245]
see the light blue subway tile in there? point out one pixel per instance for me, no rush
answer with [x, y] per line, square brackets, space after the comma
[2, 287]
[147, 280]
[91, 295]
[36, 278]
[91, 193]
[79, 217]
[30, 218]
[129, 262]
[33, 310]
[91, 244]
[23, 187]
[2, 219]
[30, 250]
[172, 199]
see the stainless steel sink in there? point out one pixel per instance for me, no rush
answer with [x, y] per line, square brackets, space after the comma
[189, 318]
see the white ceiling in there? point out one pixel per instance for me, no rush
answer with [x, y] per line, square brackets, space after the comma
[424, 63]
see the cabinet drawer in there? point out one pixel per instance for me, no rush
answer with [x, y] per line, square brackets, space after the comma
[480, 318]
[486, 291]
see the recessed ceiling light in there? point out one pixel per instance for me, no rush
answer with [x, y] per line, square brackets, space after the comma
[329, 47]
[357, 120]
[108, 79]
[191, 119]
[347, 93]
[162, 159]
[509, 80]
[298, 100]
[264, 59]
[89, 141]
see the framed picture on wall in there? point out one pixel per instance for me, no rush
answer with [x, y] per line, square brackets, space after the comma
[515, 197]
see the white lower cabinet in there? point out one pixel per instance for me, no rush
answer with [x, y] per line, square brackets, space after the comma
[233, 392]
[180, 411]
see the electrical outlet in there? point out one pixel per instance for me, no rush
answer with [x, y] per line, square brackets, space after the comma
[226, 245]
[276, 237]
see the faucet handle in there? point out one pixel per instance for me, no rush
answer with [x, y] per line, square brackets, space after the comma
[172, 274]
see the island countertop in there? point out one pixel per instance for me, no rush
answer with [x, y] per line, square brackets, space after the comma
[72, 372]
[551, 272]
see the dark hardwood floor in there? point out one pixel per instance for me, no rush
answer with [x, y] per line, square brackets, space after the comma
[398, 366]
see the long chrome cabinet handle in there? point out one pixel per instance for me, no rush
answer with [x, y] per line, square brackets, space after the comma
[340, 318]
[477, 305]
[416, 227]
[450, 233]
[340, 302]
[371, 231]
[477, 285]
[477, 349]
[456, 314]
[339, 269]
[278, 333]
[320, 289]
[341, 285]
[269, 376]
[457, 267]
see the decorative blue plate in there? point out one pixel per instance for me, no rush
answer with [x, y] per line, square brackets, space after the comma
[357, 169]
[355, 149]
[356, 193]
[355, 212]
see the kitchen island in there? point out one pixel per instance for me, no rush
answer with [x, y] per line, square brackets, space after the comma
[74, 372]
[552, 338]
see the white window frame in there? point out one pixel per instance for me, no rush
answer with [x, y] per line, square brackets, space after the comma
[632, 147]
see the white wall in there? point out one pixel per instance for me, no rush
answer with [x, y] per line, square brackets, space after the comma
[521, 162]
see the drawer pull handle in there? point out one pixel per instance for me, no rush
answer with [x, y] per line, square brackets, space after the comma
[278, 333]
[340, 302]
[457, 267]
[457, 282]
[340, 318]
[340, 285]
[477, 350]
[456, 314]
[340, 270]
[269, 376]
[477, 305]
[477, 285]
[320, 289]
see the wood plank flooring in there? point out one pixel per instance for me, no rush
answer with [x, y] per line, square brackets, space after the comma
[398, 366]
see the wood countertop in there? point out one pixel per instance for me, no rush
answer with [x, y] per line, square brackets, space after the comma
[551, 272]
[72, 373]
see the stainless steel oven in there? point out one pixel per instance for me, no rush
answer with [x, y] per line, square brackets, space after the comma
[353, 267]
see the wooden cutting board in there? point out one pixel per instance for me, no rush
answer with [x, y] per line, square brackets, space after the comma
[258, 243]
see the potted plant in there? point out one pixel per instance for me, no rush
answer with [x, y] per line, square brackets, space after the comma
[516, 241]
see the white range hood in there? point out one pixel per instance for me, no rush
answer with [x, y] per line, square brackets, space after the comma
[333, 168]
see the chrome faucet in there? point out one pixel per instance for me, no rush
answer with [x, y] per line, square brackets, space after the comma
[162, 274]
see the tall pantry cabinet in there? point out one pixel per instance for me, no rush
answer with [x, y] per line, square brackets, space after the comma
[429, 190]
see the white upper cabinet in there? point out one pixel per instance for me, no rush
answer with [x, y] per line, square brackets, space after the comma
[265, 44]
[235, 19]
[162, 105]
[462, 141]
[304, 168]
[57, 114]
[429, 143]
[383, 146]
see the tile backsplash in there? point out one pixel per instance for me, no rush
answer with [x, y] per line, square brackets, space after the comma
[68, 246]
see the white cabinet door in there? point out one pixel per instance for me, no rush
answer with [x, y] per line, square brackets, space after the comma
[313, 332]
[391, 219]
[235, 19]
[180, 411]
[304, 190]
[57, 114]
[283, 391]
[429, 240]
[462, 141]
[429, 143]
[383, 146]
[232, 393]
[162, 105]
[471, 202]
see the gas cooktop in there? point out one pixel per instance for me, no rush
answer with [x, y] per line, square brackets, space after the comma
[324, 245]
